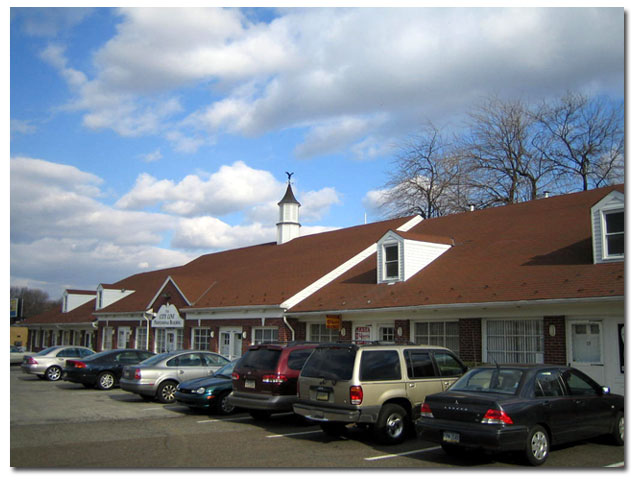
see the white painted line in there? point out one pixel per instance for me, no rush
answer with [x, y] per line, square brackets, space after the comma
[384, 457]
[153, 408]
[207, 421]
[614, 465]
[292, 434]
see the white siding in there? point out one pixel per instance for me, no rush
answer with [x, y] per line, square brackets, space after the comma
[417, 255]
[613, 201]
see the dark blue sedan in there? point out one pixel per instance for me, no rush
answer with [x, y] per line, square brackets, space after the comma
[525, 409]
[208, 392]
[103, 369]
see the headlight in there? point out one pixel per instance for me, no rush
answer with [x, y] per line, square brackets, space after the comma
[201, 390]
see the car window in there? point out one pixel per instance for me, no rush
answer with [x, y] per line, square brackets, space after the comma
[578, 384]
[448, 365]
[186, 360]
[491, 380]
[46, 351]
[548, 384]
[380, 365]
[260, 358]
[68, 352]
[227, 370]
[297, 358]
[157, 359]
[419, 364]
[144, 355]
[127, 357]
[214, 360]
[84, 352]
[330, 363]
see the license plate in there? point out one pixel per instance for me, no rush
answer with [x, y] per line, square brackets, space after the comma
[322, 396]
[249, 384]
[451, 437]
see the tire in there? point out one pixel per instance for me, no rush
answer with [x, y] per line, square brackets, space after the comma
[106, 381]
[392, 425]
[53, 373]
[166, 392]
[334, 429]
[223, 406]
[617, 435]
[260, 414]
[537, 446]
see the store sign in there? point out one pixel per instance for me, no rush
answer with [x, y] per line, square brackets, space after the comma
[333, 322]
[363, 334]
[168, 317]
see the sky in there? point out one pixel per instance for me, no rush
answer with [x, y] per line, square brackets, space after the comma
[143, 138]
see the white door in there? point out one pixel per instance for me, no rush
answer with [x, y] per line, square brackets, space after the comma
[171, 341]
[586, 348]
[230, 345]
[123, 336]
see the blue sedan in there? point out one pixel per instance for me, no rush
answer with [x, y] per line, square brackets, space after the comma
[525, 409]
[208, 392]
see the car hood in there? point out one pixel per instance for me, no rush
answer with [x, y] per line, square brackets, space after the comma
[205, 382]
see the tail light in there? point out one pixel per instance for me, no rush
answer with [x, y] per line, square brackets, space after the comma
[235, 376]
[355, 394]
[137, 375]
[425, 411]
[277, 379]
[497, 417]
[31, 361]
[77, 364]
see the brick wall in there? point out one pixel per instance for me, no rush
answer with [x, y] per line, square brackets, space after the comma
[470, 333]
[406, 331]
[555, 347]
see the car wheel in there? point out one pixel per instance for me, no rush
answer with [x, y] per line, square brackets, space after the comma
[223, 405]
[53, 374]
[391, 427]
[166, 392]
[334, 429]
[537, 446]
[618, 430]
[260, 414]
[106, 381]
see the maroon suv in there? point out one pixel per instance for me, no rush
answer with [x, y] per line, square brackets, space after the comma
[265, 379]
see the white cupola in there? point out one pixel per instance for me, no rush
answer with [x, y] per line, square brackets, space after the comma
[288, 224]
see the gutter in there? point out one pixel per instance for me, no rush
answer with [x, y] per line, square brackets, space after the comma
[293, 333]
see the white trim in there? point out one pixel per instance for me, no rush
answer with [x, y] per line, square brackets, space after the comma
[346, 266]
[169, 279]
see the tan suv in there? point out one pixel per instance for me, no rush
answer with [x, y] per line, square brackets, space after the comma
[382, 386]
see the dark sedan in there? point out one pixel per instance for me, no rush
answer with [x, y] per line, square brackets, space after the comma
[104, 369]
[208, 392]
[525, 409]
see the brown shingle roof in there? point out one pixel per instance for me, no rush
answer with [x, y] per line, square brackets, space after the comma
[531, 251]
[81, 314]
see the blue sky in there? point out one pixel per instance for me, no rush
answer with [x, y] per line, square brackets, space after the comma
[142, 138]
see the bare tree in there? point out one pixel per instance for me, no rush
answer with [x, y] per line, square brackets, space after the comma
[427, 178]
[34, 300]
[584, 138]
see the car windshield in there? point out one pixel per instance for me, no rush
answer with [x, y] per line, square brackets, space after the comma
[331, 363]
[96, 356]
[260, 359]
[490, 380]
[227, 370]
[157, 358]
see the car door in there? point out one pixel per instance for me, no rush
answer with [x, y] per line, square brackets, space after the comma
[188, 366]
[449, 367]
[591, 412]
[554, 405]
[66, 354]
[422, 376]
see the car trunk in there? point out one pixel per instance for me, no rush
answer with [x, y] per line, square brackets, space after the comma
[462, 406]
[326, 378]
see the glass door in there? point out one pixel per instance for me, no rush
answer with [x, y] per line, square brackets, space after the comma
[585, 348]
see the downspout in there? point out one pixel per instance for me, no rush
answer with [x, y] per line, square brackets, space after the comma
[293, 333]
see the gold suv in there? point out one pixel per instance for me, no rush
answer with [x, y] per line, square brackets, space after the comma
[382, 386]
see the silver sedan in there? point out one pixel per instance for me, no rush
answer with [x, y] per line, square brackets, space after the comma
[49, 363]
[158, 376]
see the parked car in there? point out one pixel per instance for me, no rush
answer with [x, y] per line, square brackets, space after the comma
[525, 409]
[210, 392]
[266, 377]
[103, 369]
[48, 363]
[158, 376]
[18, 354]
[380, 386]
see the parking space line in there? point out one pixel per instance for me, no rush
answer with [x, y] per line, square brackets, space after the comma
[292, 434]
[384, 457]
[208, 421]
[615, 465]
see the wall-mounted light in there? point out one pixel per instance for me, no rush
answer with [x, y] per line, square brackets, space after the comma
[244, 334]
[399, 331]
[552, 330]
[343, 332]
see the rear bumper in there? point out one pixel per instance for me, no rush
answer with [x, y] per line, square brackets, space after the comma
[254, 401]
[498, 438]
[135, 386]
[329, 414]
[35, 369]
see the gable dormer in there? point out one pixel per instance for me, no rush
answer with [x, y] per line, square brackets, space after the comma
[403, 254]
[72, 299]
[105, 296]
[607, 228]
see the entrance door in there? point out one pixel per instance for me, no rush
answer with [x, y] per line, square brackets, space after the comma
[171, 341]
[586, 348]
[230, 343]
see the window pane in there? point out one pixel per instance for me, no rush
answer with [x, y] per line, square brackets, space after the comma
[615, 222]
[380, 365]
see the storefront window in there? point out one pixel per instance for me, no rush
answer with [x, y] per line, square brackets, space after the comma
[201, 337]
[320, 333]
[444, 334]
[515, 341]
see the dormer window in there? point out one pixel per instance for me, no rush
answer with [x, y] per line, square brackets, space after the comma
[391, 265]
[607, 228]
[614, 234]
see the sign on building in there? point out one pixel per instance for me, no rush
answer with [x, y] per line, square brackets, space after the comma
[168, 317]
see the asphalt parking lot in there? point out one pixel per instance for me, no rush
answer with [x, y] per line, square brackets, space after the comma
[60, 424]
